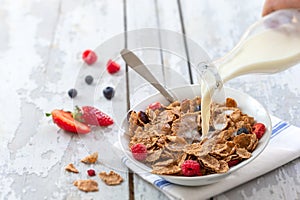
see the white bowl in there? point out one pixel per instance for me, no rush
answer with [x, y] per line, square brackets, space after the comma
[247, 104]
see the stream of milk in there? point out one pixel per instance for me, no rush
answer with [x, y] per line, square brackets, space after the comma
[270, 51]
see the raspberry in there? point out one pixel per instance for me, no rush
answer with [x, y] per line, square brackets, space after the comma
[112, 67]
[91, 172]
[89, 57]
[259, 129]
[139, 152]
[191, 168]
[232, 163]
[155, 106]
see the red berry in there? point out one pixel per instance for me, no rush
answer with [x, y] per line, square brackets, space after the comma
[155, 106]
[89, 57]
[91, 172]
[92, 116]
[191, 168]
[65, 121]
[259, 129]
[232, 163]
[112, 67]
[139, 152]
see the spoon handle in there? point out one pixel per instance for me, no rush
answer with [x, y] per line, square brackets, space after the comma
[137, 65]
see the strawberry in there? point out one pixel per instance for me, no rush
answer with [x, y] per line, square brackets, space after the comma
[259, 129]
[65, 121]
[112, 67]
[92, 116]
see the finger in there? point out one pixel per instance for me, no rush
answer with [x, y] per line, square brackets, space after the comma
[268, 7]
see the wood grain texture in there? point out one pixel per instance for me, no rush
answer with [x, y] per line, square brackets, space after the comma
[40, 60]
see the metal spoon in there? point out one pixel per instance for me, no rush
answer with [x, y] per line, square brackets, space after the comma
[137, 65]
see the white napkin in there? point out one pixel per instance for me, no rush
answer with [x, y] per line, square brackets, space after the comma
[284, 144]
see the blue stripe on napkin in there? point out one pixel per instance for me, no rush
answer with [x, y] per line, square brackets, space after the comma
[161, 183]
[279, 127]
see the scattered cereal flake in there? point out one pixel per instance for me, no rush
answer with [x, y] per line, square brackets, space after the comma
[111, 179]
[247, 141]
[152, 114]
[155, 155]
[176, 143]
[164, 163]
[193, 149]
[225, 135]
[185, 105]
[224, 150]
[230, 102]
[210, 162]
[173, 105]
[146, 140]
[86, 185]
[90, 158]
[171, 169]
[71, 168]
[181, 158]
[166, 154]
[231, 157]
[243, 153]
[187, 126]
[223, 167]
[166, 116]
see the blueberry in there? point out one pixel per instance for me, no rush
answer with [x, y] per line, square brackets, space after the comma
[72, 93]
[242, 130]
[198, 108]
[89, 79]
[108, 92]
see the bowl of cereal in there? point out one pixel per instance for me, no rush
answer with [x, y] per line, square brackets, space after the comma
[166, 139]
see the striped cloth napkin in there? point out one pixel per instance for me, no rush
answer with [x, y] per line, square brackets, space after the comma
[285, 146]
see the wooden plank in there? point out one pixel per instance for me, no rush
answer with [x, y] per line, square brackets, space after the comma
[95, 23]
[137, 18]
[144, 43]
[172, 44]
[47, 40]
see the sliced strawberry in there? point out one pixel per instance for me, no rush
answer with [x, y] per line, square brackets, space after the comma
[92, 116]
[65, 121]
[112, 67]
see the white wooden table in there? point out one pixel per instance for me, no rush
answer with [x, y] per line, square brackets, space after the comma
[40, 60]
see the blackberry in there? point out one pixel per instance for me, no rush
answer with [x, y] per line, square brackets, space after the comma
[143, 117]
